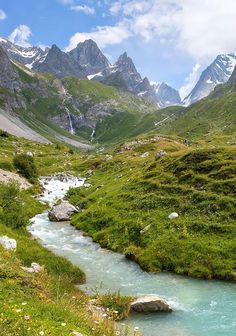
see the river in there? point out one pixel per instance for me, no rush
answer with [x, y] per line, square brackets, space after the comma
[201, 308]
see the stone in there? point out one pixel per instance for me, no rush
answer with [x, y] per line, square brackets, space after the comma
[160, 154]
[62, 212]
[146, 154]
[30, 154]
[8, 243]
[145, 229]
[150, 304]
[173, 215]
[35, 268]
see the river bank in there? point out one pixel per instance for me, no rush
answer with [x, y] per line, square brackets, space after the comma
[199, 306]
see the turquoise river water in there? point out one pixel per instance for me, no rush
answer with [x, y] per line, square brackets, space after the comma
[200, 308]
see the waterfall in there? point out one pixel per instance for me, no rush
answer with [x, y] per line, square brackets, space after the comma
[70, 122]
[92, 135]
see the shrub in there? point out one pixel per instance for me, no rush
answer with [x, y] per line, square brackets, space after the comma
[4, 134]
[12, 212]
[26, 166]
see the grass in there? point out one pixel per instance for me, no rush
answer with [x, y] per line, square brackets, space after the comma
[116, 306]
[127, 208]
[45, 303]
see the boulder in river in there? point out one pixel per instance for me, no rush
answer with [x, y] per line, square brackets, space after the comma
[150, 304]
[62, 212]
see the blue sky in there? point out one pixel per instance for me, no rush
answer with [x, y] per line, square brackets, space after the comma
[169, 40]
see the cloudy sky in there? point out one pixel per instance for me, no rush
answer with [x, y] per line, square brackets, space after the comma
[169, 40]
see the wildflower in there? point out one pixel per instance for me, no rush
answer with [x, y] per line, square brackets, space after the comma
[24, 303]
[27, 317]
[63, 324]
[41, 333]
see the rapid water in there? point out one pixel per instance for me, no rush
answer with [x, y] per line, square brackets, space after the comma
[201, 308]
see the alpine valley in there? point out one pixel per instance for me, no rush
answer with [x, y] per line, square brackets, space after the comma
[146, 180]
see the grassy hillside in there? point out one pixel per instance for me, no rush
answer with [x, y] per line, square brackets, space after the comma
[133, 194]
[46, 102]
[211, 117]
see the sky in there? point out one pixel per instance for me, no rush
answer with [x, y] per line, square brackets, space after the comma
[168, 40]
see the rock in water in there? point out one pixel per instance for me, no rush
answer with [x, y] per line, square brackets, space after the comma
[150, 304]
[8, 243]
[61, 212]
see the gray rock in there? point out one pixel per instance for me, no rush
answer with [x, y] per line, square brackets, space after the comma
[62, 212]
[173, 215]
[9, 78]
[150, 304]
[8, 243]
[218, 72]
[160, 154]
[60, 64]
[25, 55]
[35, 268]
[90, 57]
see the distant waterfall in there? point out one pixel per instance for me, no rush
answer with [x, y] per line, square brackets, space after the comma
[92, 135]
[70, 122]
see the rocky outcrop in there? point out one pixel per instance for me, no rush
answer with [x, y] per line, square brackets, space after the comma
[150, 304]
[60, 64]
[9, 78]
[62, 212]
[6, 177]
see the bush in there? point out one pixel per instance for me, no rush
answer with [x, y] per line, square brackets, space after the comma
[26, 166]
[12, 212]
[4, 134]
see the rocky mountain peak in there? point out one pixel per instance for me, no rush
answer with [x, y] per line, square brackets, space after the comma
[88, 55]
[130, 75]
[126, 62]
[218, 72]
[60, 64]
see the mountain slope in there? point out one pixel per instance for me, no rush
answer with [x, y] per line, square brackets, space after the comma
[87, 61]
[70, 109]
[218, 72]
[60, 64]
[29, 56]
[210, 117]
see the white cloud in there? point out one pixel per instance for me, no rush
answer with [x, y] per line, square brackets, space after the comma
[201, 29]
[20, 36]
[190, 81]
[83, 8]
[115, 8]
[3, 15]
[67, 2]
[103, 36]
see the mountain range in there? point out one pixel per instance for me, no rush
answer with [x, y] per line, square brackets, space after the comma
[88, 61]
